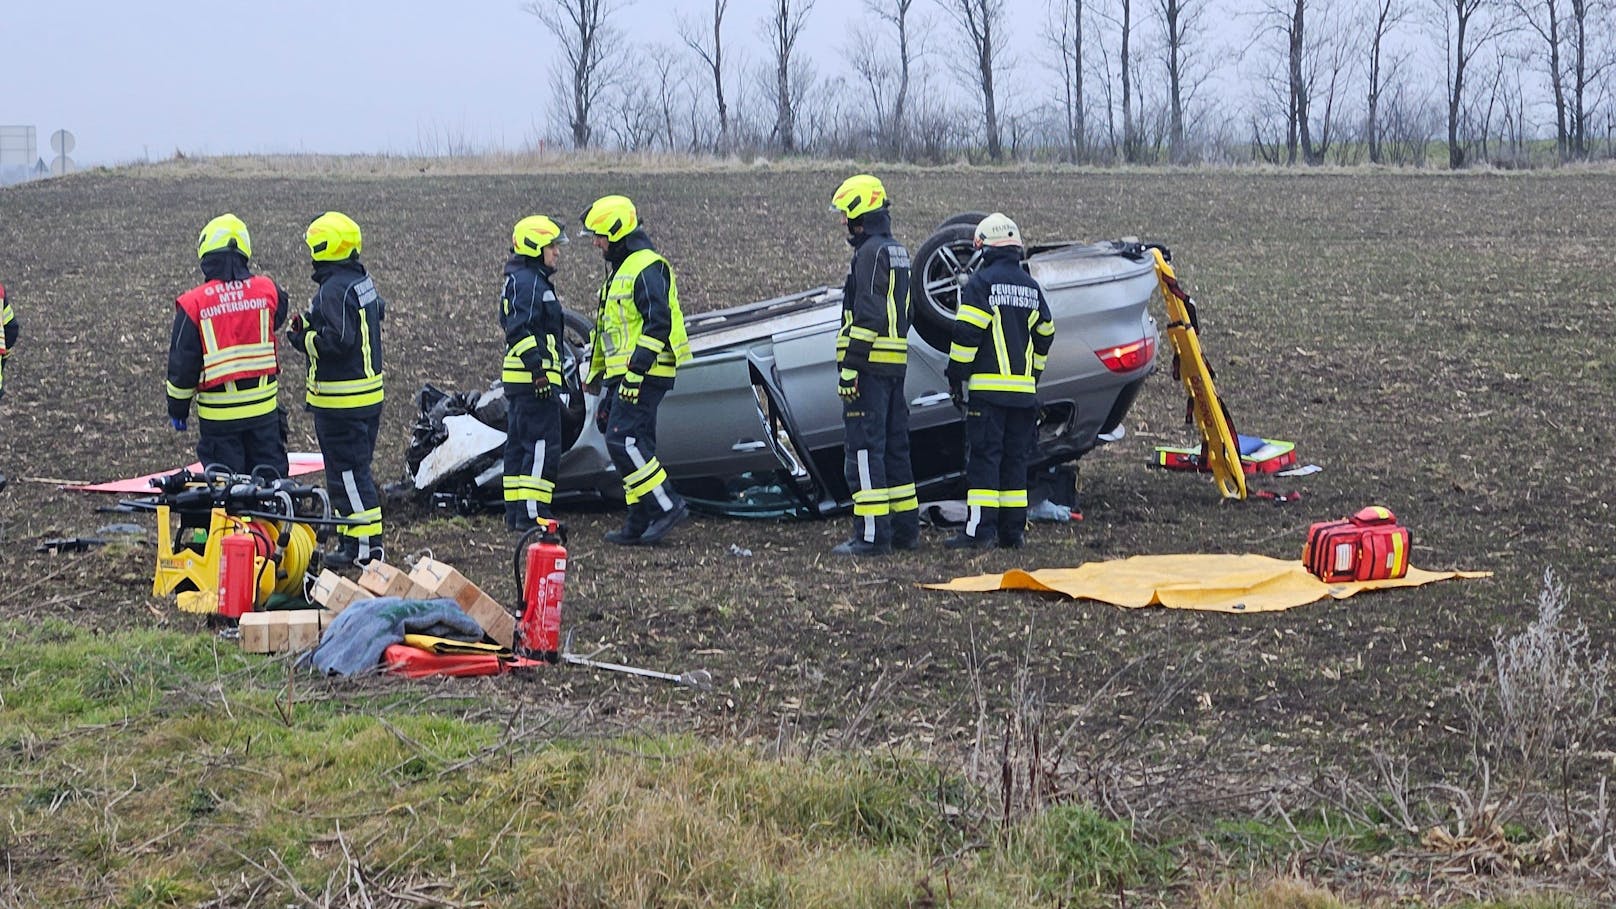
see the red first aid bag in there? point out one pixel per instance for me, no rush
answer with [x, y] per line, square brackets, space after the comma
[1368, 546]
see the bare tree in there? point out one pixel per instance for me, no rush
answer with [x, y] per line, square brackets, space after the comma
[1180, 21]
[583, 29]
[712, 55]
[1466, 27]
[896, 14]
[1386, 15]
[1543, 19]
[983, 24]
[782, 27]
[1066, 33]
[1130, 132]
[1588, 66]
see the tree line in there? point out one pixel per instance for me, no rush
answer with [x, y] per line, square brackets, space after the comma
[1510, 83]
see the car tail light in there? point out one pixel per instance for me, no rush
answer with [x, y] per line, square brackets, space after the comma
[1128, 357]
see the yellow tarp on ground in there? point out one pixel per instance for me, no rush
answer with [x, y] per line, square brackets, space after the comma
[1217, 583]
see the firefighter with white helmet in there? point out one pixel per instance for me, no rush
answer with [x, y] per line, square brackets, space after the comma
[636, 347]
[341, 334]
[1002, 334]
[222, 356]
[530, 316]
[872, 356]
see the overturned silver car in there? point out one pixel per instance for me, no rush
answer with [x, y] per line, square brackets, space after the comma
[754, 425]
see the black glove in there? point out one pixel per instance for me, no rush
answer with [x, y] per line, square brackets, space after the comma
[603, 413]
[542, 388]
[297, 329]
[956, 392]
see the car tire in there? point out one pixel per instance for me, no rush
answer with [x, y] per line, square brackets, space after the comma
[972, 218]
[936, 279]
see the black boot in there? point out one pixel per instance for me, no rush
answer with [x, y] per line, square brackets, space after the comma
[906, 531]
[963, 540]
[344, 556]
[664, 523]
[633, 527]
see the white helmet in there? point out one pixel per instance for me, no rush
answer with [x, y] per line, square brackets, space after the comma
[998, 230]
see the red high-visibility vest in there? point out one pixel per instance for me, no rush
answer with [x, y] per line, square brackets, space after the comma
[237, 322]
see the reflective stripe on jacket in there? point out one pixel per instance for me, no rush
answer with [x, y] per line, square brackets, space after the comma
[8, 333]
[222, 352]
[640, 326]
[874, 335]
[1002, 332]
[344, 340]
[531, 317]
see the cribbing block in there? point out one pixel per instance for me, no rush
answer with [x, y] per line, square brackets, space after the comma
[386, 580]
[335, 592]
[445, 581]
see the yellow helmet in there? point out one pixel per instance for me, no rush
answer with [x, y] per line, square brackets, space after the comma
[612, 217]
[332, 237]
[533, 233]
[224, 232]
[859, 195]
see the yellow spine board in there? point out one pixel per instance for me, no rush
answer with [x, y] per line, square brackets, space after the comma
[1218, 446]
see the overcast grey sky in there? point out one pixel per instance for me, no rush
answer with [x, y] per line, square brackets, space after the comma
[137, 80]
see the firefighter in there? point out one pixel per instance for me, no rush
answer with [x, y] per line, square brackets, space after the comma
[8, 339]
[636, 347]
[1002, 335]
[221, 353]
[530, 315]
[872, 353]
[341, 334]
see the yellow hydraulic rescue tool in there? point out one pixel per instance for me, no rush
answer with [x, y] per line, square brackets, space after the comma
[1219, 450]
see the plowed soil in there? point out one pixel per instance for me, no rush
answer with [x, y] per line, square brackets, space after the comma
[1436, 343]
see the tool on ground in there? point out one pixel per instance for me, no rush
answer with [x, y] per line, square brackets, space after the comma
[541, 576]
[1220, 452]
[1367, 546]
[239, 539]
[699, 679]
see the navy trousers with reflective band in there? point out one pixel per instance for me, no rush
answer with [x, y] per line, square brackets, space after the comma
[242, 445]
[1001, 440]
[348, 443]
[532, 454]
[876, 467]
[631, 442]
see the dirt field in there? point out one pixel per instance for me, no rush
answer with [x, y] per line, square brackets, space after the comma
[1434, 342]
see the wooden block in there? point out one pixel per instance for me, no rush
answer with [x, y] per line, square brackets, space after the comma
[443, 580]
[335, 592]
[385, 580]
[255, 632]
[302, 629]
[496, 621]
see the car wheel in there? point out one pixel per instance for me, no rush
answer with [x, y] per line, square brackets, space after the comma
[937, 277]
[574, 340]
[972, 218]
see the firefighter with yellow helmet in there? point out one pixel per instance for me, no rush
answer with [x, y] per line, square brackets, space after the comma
[341, 334]
[530, 315]
[636, 347]
[222, 356]
[872, 355]
[1002, 334]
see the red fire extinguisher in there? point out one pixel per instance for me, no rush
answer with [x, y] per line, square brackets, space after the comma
[539, 632]
[238, 579]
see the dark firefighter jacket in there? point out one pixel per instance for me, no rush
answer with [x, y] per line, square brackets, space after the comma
[874, 336]
[342, 337]
[530, 314]
[249, 401]
[8, 319]
[1002, 332]
[640, 328]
